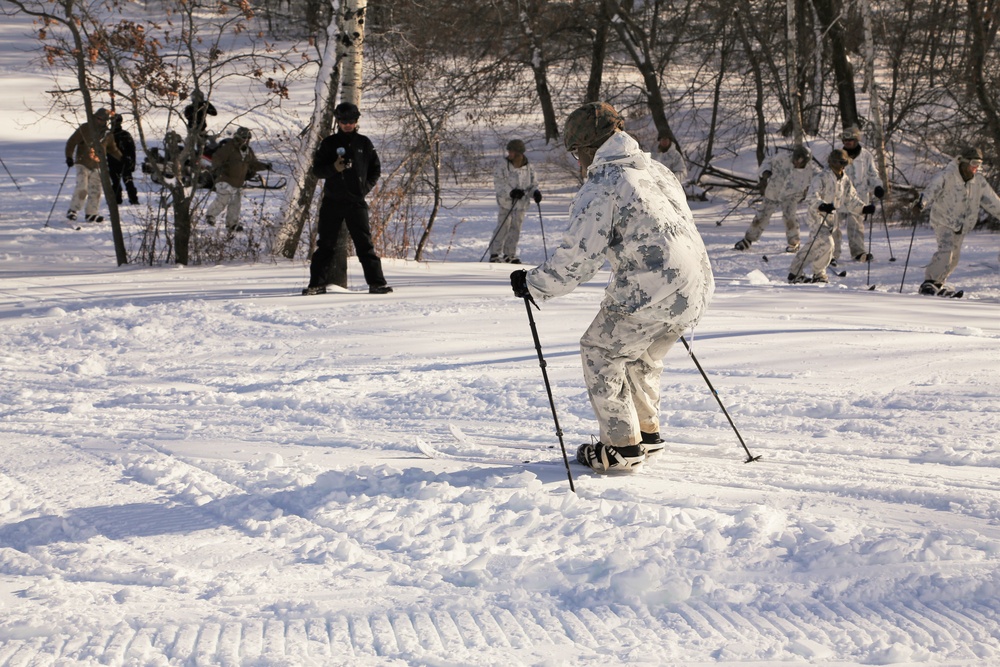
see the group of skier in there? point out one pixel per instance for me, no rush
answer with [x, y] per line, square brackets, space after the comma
[843, 195]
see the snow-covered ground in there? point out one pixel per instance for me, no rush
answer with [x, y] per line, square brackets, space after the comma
[199, 466]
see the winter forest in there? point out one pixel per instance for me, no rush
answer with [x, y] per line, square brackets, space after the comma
[201, 465]
[919, 77]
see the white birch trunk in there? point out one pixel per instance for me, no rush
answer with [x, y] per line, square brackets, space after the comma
[297, 202]
[878, 139]
[352, 48]
[794, 98]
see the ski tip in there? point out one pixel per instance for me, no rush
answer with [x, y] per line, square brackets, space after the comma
[871, 289]
[764, 257]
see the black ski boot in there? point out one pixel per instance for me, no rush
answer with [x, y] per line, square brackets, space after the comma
[605, 459]
[653, 442]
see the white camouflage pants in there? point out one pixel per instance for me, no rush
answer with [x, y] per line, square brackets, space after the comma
[814, 254]
[855, 234]
[508, 231]
[622, 362]
[949, 249]
[763, 219]
[229, 198]
[88, 188]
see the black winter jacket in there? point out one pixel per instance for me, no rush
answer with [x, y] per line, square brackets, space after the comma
[350, 185]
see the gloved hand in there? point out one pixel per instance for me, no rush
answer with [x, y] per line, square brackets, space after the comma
[69, 162]
[340, 164]
[537, 196]
[879, 191]
[267, 166]
[826, 208]
[918, 206]
[868, 209]
[516, 193]
[519, 282]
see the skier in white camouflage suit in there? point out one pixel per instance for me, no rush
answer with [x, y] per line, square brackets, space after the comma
[514, 182]
[667, 154]
[865, 179]
[955, 197]
[784, 178]
[631, 212]
[831, 190]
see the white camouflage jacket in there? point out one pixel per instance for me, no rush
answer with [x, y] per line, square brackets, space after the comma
[864, 173]
[507, 177]
[955, 204]
[786, 182]
[632, 212]
[827, 188]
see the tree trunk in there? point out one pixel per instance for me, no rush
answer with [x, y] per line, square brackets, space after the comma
[298, 199]
[599, 48]
[539, 69]
[829, 14]
[794, 97]
[873, 95]
[983, 31]
[351, 43]
[755, 68]
[435, 207]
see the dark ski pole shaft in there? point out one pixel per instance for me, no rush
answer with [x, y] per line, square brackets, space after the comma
[528, 301]
[718, 223]
[868, 223]
[750, 457]
[13, 180]
[541, 225]
[805, 259]
[499, 227]
[908, 250]
[885, 223]
[56, 200]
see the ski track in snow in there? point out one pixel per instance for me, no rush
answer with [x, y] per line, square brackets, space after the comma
[156, 473]
[200, 467]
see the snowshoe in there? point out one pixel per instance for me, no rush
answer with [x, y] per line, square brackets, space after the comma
[797, 279]
[605, 459]
[71, 215]
[743, 244]
[819, 278]
[792, 247]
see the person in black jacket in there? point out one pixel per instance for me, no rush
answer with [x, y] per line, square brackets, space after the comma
[121, 170]
[350, 165]
[196, 114]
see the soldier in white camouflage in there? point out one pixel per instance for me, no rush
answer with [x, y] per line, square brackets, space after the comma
[831, 190]
[666, 153]
[631, 212]
[955, 197]
[865, 179]
[784, 178]
[514, 182]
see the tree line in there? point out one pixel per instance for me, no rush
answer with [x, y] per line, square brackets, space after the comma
[718, 76]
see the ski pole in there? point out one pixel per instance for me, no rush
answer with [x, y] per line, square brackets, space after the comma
[750, 457]
[528, 302]
[14, 180]
[907, 262]
[56, 200]
[718, 223]
[885, 223]
[868, 278]
[499, 227]
[805, 258]
[541, 224]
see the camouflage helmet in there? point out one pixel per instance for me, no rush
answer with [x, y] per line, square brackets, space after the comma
[242, 134]
[591, 125]
[838, 157]
[516, 145]
[347, 112]
[801, 153]
[969, 154]
[851, 132]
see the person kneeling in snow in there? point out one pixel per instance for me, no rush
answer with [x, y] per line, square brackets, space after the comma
[631, 212]
[231, 165]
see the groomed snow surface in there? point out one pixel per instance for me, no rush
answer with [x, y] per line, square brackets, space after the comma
[202, 467]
